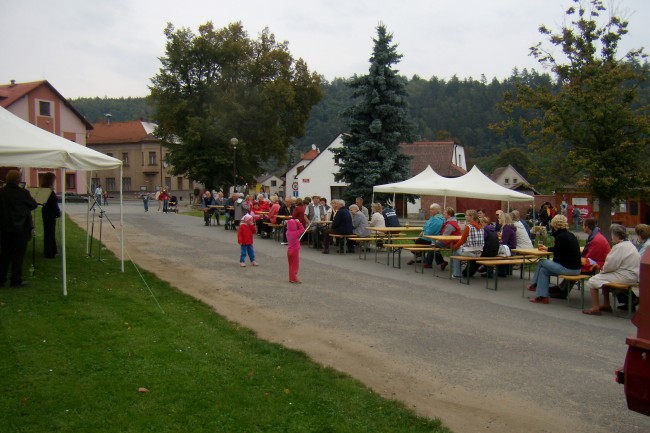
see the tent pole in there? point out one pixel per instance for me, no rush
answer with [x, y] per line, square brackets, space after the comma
[64, 270]
[88, 213]
[121, 219]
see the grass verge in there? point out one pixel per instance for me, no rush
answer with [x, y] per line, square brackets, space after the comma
[75, 364]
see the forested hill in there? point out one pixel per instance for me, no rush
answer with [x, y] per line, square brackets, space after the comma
[120, 109]
[456, 109]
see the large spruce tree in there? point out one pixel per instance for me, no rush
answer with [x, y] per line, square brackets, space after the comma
[378, 122]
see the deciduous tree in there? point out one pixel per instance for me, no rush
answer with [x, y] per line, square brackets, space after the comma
[222, 84]
[593, 126]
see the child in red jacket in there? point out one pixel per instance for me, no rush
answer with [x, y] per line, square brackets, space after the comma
[245, 239]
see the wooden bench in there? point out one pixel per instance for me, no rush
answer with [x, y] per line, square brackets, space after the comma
[345, 241]
[396, 248]
[621, 287]
[419, 250]
[364, 243]
[277, 229]
[579, 280]
[468, 259]
[513, 260]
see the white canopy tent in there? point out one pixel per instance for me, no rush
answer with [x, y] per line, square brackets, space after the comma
[25, 145]
[419, 184]
[473, 184]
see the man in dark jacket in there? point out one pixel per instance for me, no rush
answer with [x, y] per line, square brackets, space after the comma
[341, 224]
[16, 226]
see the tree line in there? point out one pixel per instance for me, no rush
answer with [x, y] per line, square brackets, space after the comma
[455, 109]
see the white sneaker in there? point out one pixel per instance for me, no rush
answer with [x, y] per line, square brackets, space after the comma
[242, 264]
[254, 264]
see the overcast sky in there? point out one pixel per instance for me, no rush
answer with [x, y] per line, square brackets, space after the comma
[111, 48]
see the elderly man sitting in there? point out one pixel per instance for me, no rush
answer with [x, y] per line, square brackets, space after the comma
[341, 223]
[621, 266]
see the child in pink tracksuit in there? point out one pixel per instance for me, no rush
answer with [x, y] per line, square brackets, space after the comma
[294, 230]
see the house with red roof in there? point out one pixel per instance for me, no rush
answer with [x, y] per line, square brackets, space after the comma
[144, 159]
[40, 104]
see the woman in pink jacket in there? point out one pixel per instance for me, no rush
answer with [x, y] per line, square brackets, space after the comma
[295, 229]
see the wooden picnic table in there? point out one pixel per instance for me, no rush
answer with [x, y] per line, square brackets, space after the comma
[450, 247]
[387, 233]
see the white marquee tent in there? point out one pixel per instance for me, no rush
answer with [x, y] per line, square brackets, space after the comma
[473, 184]
[25, 145]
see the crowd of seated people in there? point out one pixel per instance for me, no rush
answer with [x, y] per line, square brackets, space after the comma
[480, 238]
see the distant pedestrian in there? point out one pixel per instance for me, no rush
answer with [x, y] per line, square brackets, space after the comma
[145, 201]
[576, 217]
[295, 229]
[164, 198]
[245, 236]
[99, 194]
[105, 197]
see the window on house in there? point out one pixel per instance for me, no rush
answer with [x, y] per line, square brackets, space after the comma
[125, 158]
[514, 180]
[152, 158]
[110, 184]
[507, 181]
[168, 182]
[94, 182]
[274, 183]
[126, 184]
[179, 183]
[45, 108]
[70, 181]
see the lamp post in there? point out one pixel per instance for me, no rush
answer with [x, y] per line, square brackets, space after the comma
[234, 142]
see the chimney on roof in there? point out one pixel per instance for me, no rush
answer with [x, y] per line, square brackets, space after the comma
[107, 118]
[13, 82]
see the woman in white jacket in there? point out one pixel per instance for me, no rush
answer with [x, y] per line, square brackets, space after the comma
[621, 266]
[523, 240]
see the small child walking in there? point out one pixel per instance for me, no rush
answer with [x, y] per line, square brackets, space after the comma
[245, 239]
[295, 229]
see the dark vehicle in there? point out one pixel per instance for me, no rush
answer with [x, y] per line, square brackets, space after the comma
[72, 197]
[635, 375]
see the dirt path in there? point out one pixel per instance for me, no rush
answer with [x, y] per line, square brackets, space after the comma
[405, 375]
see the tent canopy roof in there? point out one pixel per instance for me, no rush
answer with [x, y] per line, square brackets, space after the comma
[25, 145]
[474, 184]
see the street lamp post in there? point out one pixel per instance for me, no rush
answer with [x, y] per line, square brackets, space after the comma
[234, 142]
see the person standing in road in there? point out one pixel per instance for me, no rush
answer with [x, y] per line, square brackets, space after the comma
[99, 194]
[295, 229]
[245, 236]
[145, 201]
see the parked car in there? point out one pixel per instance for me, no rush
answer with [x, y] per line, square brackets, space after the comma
[72, 197]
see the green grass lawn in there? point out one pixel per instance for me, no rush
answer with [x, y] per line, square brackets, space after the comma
[75, 363]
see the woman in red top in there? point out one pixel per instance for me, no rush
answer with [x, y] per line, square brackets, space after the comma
[265, 229]
[299, 212]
